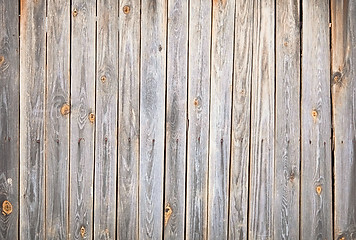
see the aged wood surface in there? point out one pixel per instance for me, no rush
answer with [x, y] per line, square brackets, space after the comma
[9, 119]
[152, 117]
[240, 139]
[57, 119]
[262, 123]
[32, 115]
[220, 117]
[129, 119]
[343, 88]
[106, 120]
[316, 199]
[287, 137]
[82, 121]
[176, 117]
[198, 119]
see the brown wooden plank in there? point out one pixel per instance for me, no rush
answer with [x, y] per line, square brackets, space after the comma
[9, 119]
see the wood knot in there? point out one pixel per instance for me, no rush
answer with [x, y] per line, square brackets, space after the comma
[126, 9]
[318, 190]
[337, 78]
[314, 114]
[65, 109]
[103, 78]
[75, 12]
[91, 117]
[160, 48]
[6, 208]
[167, 214]
[82, 231]
[2, 60]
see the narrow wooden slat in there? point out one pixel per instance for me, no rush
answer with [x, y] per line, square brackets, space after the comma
[287, 120]
[220, 117]
[129, 119]
[57, 119]
[152, 117]
[262, 123]
[9, 119]
[82, 121]
[316, 199]
[106, 120]
[344, 115]
[241, 120]
[176, 118]
[32, 115]
[198, 119]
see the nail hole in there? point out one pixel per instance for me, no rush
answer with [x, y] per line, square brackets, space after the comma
[75, 12]
[126, 9]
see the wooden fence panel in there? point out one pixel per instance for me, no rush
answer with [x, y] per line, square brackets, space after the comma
[316, 184]
[32, 115]
[82, 119]
[344, 116]
[9, 119]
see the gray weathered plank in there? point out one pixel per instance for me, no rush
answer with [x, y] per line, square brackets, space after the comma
[32, 115]
[198, 119]
[82, 120]
[220, 117]
[129, 119]
[176, 118]
[106, 120]
[57, 119]
[287, 120]
[152, 117]
[344, 116]
[9, 119]
[262, 123]
[316, 199]
[240, 138]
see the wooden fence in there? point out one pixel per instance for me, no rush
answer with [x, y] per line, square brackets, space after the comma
[177, 119]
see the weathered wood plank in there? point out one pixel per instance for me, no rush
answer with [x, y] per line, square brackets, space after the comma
[82, 119]
[220, 117]
[176, 118]
[316, 199]
[57, 119]
[287, 123]
[129, 119]
[152, 117]
[9, 119]
[240, 138]
[344, 116]
[32, 115]
[198, 119]
[262, 122]
[106, 120]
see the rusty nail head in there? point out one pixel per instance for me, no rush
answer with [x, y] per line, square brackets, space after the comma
[65, 109]
[314, 113]
[82, 231]
[318, 189]
[75, 12]
[103, 78]
[91, 117]
[126, 9]
[6, 207]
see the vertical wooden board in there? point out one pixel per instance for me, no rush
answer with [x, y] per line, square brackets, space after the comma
[176, 118]
[9, 119]
[57, 119]
[287, 138]
[316, 199]
[198, 119]
[106, 120]
[240, 138]
[344, 115]
[82, 119]
[262, 122]
[129, 119]
[32, 115]
[220, 117]
[152, 117]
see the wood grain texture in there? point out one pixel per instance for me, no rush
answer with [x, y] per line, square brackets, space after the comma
[152, 117]
[106, 120]
[82, 129]
[57, 124]
[262, 122]
[9, 117]
[287, 120]
[220, 117]
[32, 115]
[240, 138]
[316, 193]
[176, 117]
[198, 119]
[344, 116]
[129, 119]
